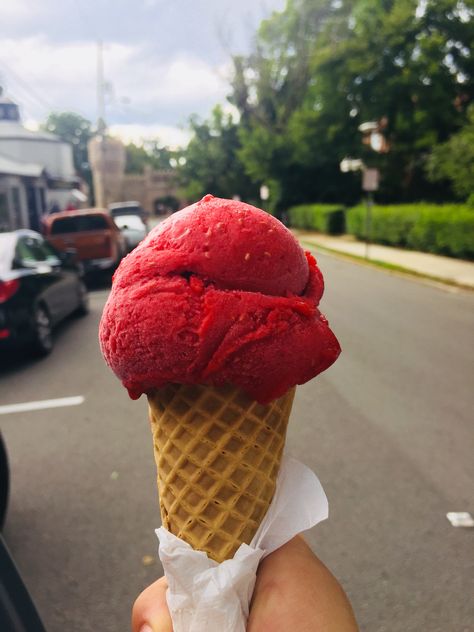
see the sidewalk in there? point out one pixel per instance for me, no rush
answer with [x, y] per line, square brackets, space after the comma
[446, 269]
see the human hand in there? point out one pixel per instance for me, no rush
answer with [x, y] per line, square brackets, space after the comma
[150, 611]
[294, 590]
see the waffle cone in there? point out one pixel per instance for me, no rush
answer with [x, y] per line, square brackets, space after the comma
[218, 455]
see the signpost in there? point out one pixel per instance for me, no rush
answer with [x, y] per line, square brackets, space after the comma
[372, 135]
[370, 180]
[370, 183]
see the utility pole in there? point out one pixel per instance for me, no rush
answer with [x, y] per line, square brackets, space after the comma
[107, 154]
[100, 88]
[101, 195]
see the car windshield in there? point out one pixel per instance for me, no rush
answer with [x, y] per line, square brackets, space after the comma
[33, 249]
[126, 210]
[7, 246]
[129, 221]
[78, 224]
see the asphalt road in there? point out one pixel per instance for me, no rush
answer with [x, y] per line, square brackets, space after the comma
[388, 429]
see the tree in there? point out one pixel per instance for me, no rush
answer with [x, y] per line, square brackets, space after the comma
[287, 142]
[161, 157]
[269, 88]
[319, 69]
[410, 64]
[135, 158]
[149, 153]
[77, 130]
[454, 160]
[210, 162]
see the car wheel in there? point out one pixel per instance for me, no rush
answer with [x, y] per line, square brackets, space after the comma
[83, 307]
[43, 331]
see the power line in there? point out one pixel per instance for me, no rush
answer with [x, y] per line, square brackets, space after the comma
[27, 106]
[29, 93]
[20, 100]
[39, 99]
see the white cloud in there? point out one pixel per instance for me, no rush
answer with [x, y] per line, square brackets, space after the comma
[147, 89]
[17, 10]
[47, 76]
[166, 135]
[230, 108]
[150, 4]
[31, 124]
[178, 80]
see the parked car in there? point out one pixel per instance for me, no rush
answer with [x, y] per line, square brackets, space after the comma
[133, 229]
[39, 287]
[128, 208]
[92, 233]
[18, 613]
[4, 482]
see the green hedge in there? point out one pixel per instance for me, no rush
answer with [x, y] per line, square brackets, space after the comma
[325, 218]
[446, 229]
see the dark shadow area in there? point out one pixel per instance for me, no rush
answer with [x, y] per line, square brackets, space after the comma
[166, 205]
[98, 280]
[18, 358]
[15, 359]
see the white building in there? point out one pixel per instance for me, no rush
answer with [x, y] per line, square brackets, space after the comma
[36, 171]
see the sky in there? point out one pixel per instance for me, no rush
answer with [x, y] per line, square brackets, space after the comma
[163, 60]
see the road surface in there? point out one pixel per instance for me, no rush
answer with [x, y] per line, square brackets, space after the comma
[388, 429]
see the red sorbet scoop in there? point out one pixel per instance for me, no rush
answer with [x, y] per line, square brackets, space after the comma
[219, 293]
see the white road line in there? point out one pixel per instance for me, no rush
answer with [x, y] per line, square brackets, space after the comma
[41, 405]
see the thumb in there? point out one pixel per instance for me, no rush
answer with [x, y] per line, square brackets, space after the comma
[150, 611]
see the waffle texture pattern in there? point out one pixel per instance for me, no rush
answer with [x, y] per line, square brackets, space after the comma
[218, 454]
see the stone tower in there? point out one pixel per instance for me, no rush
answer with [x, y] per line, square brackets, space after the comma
[107, 160]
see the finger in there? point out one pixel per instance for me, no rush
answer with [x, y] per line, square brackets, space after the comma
[150, 609]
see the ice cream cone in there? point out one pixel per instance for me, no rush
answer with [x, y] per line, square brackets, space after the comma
[218, 454]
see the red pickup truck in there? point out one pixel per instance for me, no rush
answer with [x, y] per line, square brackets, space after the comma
[92, 233]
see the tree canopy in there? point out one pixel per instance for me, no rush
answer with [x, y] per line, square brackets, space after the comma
[453, 161]
[320, 69]
[210, 162]
[150, 153]
[316, 72]
[74, 129]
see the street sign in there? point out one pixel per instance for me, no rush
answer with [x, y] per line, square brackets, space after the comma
[370, 179]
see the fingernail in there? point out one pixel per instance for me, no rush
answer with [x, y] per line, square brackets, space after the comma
[146, 628]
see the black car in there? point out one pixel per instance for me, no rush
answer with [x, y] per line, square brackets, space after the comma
[17, 610]
[38, 288]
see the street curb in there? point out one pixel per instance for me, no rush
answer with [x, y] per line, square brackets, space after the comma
[390, 267]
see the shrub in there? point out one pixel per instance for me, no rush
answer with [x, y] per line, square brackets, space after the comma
[389, 224]
[324, 218]
[446, 229]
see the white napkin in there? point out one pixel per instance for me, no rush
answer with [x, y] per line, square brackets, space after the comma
[204, 596]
